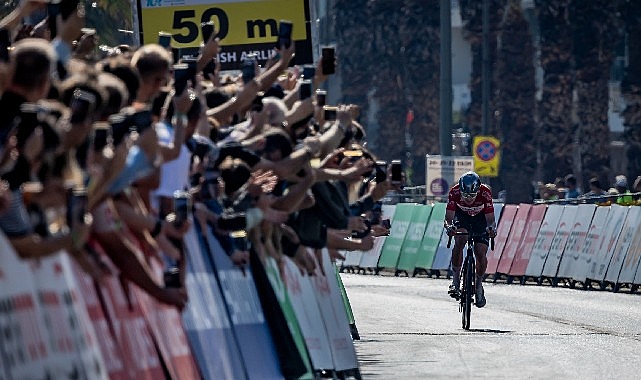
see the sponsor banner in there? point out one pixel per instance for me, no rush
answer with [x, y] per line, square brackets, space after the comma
[432, 237]
[242, 26]
[443, 172]
[172, 343]
[348, 306]
[486, 150]
[631, 262]
[205, 317]
[593, 241]
[413, 237]
[524, 250]
[114, 363]
[352, 258]
[559, 241]
[612, 230]
[624, 241]
[569, 264]
[246, 314]
[333, 313]
[392, 246]
[301, 291]
[24, 346]
[543, 240]
[502, 233]
[515, 238]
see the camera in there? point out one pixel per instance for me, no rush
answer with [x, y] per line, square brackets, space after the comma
[305, 89]
[321, 97]
[397, 171]
[82, 104]
[164, 39]
[182, 207]
[284, 34]
[329, 113]
[248, 68]
[208, 29]
[328, 58]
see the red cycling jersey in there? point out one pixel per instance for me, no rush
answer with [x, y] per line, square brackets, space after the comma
[482, 202]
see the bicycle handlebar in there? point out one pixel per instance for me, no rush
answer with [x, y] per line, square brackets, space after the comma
[449, 240]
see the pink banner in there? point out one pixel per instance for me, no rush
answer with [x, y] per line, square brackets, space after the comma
[502, 233]
[524, 250]
[514, 239]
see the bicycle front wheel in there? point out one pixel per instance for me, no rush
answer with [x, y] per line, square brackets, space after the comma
[468, 291]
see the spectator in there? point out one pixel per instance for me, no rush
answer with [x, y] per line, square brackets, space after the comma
[621, 186]
[572, 191]
[596, 193]
[549, 192]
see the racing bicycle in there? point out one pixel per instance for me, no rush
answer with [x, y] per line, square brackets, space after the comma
[468, 276]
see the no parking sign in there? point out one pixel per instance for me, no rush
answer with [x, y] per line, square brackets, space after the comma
[486, 156]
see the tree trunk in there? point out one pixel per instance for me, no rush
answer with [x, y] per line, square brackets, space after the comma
[631, 88]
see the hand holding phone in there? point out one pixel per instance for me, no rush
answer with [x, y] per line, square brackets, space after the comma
[164, 39]
[329, 113]
[76, 206]
[305, 89]
[397, 172]
[181, 76]
[285, 28]
[321, 97]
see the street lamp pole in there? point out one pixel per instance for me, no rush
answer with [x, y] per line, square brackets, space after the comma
[445, 131]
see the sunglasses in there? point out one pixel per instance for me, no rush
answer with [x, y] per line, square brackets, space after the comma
[468, 196]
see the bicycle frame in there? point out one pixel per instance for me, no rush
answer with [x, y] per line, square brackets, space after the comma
[468, 276]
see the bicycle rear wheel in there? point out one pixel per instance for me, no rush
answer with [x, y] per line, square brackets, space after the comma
[468, 291]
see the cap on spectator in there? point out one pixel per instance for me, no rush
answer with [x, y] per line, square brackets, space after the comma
[620, 181]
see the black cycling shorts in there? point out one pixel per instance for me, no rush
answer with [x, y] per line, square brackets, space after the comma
[477, 223]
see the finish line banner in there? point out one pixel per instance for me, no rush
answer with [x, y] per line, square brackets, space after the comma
[243, 26]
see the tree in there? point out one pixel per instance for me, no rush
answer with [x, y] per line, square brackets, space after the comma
[555, 132]
[631, 86]
[593, 52]
[515, 102]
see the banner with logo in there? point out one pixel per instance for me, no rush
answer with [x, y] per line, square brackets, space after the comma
[516, 236]
[631, 261]
[543, 240]
[612, 230]
[524, 250]
[414, 237]
[559, 241]
[593, 241]
[243, 26]
[394, 242]
[487, 152]
[205, 317]
[431, 238]
[502, 232]
[569, 264]
[443, 172]
[632, 222]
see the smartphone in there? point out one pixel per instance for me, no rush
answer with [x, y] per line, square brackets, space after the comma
[328, 59]
[5, 43]
[182, 206]
[321, 97]
[82, 104]
[29, 121]
[192, 66]
[329, 113]
[208, 29]
[100, 136]
[164, 39]
[240, 240]
[119, 124]
[76, 206]
[53, 10]
[67, 7]
[284, 34]
[309, 71]
[141, 121]
[181, 76]
[305, 90]
[171, 278]
[248, 68]
[397, 171]
[381, 171]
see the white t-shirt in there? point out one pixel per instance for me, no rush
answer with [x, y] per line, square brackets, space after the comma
[174, 175]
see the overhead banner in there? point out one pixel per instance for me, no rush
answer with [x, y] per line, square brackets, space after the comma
[242, 26]
[486, 150]
[443, 172]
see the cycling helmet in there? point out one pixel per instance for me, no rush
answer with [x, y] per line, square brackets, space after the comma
[469, 183]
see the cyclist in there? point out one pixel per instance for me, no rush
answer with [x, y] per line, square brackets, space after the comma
[470, 204]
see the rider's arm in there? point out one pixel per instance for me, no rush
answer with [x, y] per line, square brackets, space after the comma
[489, 218]
[449, 218]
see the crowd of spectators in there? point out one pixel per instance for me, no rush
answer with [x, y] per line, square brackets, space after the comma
[112, 152]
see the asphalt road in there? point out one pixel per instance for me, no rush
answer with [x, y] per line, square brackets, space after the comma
[411, 329]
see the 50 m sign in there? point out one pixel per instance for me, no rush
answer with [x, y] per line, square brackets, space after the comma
[242, 26]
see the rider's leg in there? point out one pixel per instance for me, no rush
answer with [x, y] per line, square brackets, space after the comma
[480, 251]
[457, 256]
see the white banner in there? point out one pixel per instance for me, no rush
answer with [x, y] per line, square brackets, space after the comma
[623, 243]
[544, 240]
[570, 262]
[559, 241]
[593, 241]
[443, 172]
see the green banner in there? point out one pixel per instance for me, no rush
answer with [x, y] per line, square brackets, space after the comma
[273, 273]
[431, 238]
[413, 238]
[394, 242]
